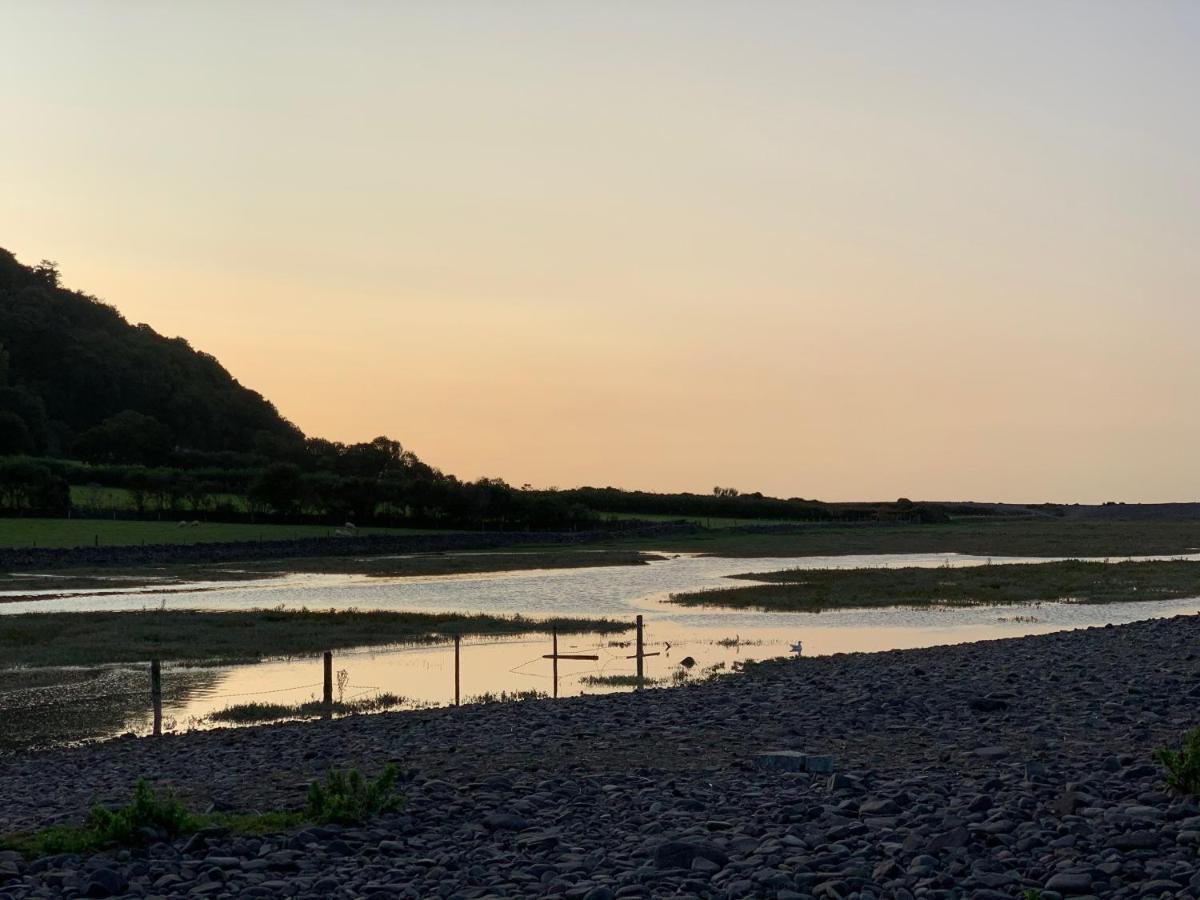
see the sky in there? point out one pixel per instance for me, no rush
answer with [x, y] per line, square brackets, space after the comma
[833, 250]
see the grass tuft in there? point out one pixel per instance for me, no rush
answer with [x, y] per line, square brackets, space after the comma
[1182, 766]
[347, 798]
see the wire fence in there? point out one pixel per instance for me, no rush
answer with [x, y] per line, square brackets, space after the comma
[182, 688]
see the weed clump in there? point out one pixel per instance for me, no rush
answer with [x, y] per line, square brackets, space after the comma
[147, 814]
[1183, 766]
[347, 798]
[147, 818]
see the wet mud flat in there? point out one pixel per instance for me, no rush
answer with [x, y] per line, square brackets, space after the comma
[977, 770]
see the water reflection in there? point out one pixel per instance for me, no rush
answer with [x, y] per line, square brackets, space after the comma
[424, 675]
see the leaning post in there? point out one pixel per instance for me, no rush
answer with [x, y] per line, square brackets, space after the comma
[156, 695]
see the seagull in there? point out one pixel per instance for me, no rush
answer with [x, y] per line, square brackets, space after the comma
[798, 647]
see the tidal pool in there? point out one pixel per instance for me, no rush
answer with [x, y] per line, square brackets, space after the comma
[711, 639]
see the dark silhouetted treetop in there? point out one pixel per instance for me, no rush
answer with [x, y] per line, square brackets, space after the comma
[78, 363]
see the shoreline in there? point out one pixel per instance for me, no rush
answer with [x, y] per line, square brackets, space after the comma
[994, 766]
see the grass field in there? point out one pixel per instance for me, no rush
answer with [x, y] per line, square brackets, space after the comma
[93, 638]
[813, 590]
[112, 533]
[706, 521]
[1043, 537]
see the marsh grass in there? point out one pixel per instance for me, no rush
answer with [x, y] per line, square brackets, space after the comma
[507, 696]
[94, 638]
[616, 681]
[148, 817]
[814, 590]
[249, 713]
[1042, 537]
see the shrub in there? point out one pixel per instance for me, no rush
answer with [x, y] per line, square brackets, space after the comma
[1183, 765]
[347, 798]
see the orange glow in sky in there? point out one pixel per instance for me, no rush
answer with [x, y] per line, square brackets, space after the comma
[830, 250]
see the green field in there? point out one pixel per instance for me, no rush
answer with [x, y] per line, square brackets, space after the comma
[113, 533]
[814, 590]
[706, 521]
[1044, 537]
[94, 638]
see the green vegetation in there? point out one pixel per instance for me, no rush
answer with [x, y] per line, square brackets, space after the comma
[148, 817]
[615, 681]
[114, 533]
[1182, 766]
[347, 798]
[508, 696]
[813, 590]
[92, 638]
[1034, 537]
[249, 713]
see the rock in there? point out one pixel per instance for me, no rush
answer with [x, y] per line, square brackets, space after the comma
[780, 761]
[819, 765]
[950, 840]
[679, 854]
[1134, 840]
[503, 821]
[1070, 883]
[987, 704]
[104, 883]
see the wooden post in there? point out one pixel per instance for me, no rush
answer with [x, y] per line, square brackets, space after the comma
[641, 666]
[156, 695]
[327, 699]
[457, 677]
[554, 651]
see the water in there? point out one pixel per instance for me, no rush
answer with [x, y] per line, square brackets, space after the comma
[424, 675]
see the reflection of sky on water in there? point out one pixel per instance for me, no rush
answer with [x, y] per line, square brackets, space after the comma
[425, 674]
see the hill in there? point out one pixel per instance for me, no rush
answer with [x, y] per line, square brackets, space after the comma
[76, 378]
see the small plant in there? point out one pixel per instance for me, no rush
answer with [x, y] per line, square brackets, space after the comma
[347, 798]
[1031, 894]
[148, 813]
[1183, 765]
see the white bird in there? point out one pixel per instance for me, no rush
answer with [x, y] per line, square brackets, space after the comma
[798, 647]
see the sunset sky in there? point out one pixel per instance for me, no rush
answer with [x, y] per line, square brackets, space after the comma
[834, 250]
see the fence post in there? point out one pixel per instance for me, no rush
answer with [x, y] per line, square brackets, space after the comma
[641, 670]
[156, 695]
[327, 698]
[554, 651]
[457, 654]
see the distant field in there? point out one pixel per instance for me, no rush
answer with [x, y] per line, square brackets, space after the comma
[706, 521]
[110, 533]
[1045, 537]
[814, 590]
